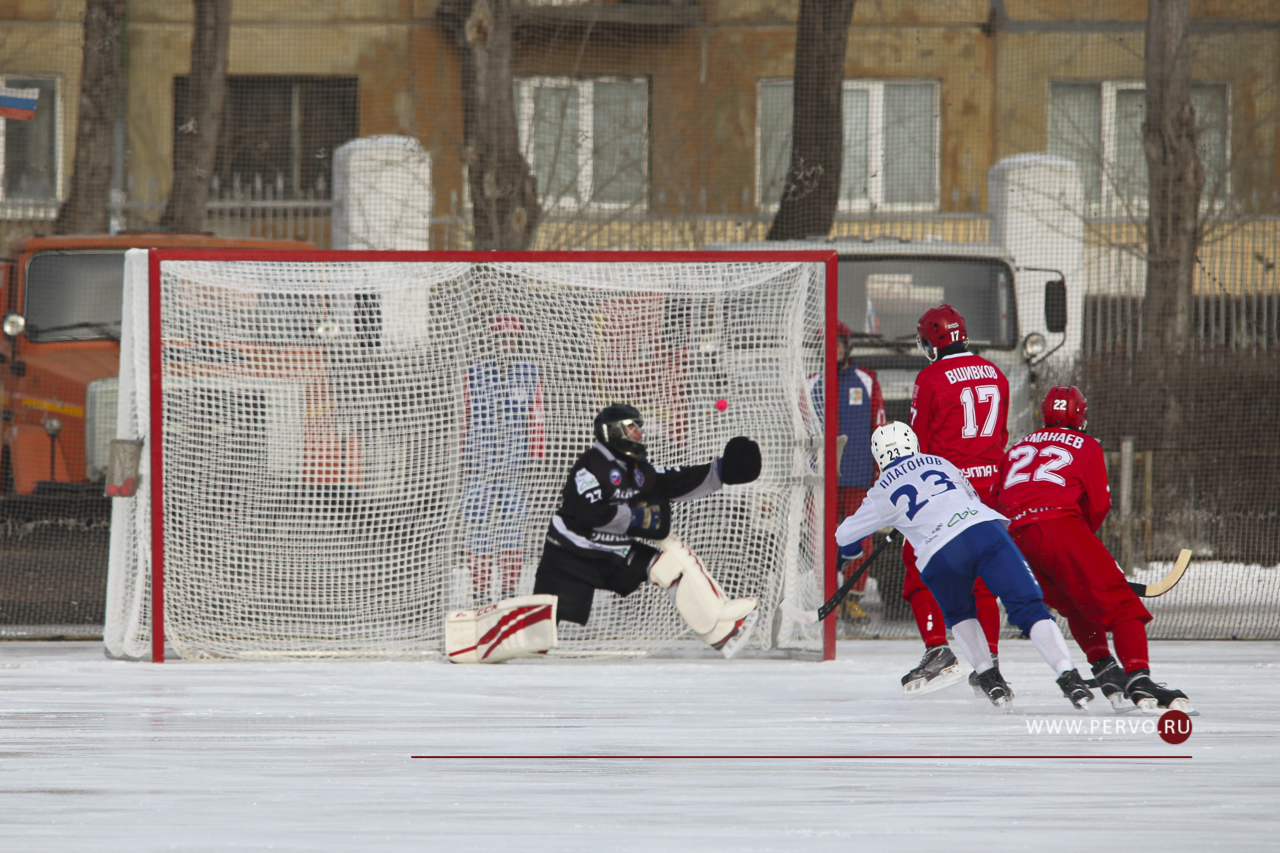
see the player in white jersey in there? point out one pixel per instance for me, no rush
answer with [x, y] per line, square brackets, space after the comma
[957, 539]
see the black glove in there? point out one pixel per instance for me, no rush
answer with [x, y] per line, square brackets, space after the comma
[650, 520]
[741, 461]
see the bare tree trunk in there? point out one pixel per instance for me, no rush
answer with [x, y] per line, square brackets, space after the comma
[87, 207]
[196, 144]
[812, 188]
[1175, 183]
[504, 192]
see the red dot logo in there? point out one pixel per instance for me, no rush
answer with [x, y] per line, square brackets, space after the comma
[1174, 727]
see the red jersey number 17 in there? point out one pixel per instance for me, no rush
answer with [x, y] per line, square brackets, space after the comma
[988, 394]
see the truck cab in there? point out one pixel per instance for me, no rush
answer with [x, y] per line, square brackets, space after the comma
[60, 354]
[885, 284]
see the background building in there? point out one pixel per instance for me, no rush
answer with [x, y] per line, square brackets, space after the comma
[652, 124]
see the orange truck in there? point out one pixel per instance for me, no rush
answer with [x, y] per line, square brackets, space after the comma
[60, 354]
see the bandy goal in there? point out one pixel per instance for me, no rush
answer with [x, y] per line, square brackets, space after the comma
[341, 447]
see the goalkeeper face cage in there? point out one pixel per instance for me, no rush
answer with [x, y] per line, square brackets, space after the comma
[621, 428]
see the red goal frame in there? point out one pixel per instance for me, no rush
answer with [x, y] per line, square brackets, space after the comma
[831, 418]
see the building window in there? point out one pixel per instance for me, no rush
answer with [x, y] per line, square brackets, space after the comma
[29, 155]
[587, 141]
[890, 144]
[1099, 126]
[278, 133]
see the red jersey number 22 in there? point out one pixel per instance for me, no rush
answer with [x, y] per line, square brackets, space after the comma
[1022, 456]
[988, 394]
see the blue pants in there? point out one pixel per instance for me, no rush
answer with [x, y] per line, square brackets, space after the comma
[984, 551]
[494, 511]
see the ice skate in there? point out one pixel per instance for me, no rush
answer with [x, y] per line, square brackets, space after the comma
[996, 689]
[731, 644]
[1074, 688]
[1109, 678]
[1152, 698]
[977, 688]
[938, 669]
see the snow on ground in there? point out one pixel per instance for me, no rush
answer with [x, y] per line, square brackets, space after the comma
[1215, 600]
[112, 756]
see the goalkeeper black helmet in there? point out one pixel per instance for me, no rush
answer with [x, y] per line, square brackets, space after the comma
[621, 429]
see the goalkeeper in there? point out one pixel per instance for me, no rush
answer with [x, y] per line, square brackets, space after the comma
[611, 530]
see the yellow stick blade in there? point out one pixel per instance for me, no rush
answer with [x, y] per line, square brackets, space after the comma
[1170, 580]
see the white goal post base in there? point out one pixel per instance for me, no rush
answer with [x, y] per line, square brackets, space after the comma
[340, 448]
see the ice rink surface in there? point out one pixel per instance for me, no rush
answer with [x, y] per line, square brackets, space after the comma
[111, 756]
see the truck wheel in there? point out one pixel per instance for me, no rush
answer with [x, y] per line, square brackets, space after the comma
[6, 472]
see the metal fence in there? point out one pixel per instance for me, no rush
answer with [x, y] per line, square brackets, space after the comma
[1236, 288]
[259, 212]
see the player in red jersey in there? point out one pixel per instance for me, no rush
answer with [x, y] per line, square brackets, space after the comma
[959, 411]
[1053, 487]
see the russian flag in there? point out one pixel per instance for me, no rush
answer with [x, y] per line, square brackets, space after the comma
[18, 104]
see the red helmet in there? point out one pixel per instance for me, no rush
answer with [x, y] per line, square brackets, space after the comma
[843, 333]
[941, 327]
[506, 324]
[1065, 406]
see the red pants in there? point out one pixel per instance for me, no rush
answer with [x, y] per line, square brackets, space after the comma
[928, 614]
[848, 499]
[508, 566]
[1081, 580]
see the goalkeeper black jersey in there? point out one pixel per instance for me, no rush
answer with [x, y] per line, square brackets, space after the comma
[595, 503]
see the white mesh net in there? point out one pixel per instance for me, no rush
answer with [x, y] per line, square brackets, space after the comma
[353, 447]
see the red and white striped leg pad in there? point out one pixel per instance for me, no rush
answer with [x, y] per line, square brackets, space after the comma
[514, 627]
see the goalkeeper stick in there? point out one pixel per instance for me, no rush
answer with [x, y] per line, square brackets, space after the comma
[1166, 583]
[828, 607]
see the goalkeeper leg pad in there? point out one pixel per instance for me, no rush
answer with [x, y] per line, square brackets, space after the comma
[711, 614]
[524, 626]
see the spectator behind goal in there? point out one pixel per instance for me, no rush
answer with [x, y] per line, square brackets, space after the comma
[861, 410]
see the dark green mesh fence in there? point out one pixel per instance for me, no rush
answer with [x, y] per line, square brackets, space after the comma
[661, 125]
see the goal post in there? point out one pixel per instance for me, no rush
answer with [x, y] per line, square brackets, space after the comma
[341, 447]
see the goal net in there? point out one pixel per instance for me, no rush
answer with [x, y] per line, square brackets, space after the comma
[340, 448]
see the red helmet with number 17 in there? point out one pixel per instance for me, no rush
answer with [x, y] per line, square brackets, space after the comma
[1065, 406]
[938, 328]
